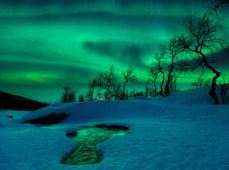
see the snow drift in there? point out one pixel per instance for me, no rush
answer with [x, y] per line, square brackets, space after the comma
[184, 131]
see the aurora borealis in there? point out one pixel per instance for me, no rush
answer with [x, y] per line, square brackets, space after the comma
[46, 44]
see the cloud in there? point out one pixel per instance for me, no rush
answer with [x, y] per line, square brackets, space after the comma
[127, 53]
[221, 59]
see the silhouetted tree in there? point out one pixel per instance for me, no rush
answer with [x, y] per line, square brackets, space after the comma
[107, 96]
[174, 49]
[201, 34]
[91, 89]
[128, 76]
[166, 67]
[112, 85]
[201, 81]
[81, 98]
[161, 68]
[173, 84]
[138, 94]
[154, 74]
[147, 88]
[109, 82]
[68, 95]
[157, 71]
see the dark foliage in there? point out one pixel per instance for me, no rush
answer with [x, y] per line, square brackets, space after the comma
[68, 95]
[81, 98]
[111, 84]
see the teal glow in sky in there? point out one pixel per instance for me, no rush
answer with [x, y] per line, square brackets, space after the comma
[48, 44]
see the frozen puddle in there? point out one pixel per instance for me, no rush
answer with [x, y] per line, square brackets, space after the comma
[87, 138]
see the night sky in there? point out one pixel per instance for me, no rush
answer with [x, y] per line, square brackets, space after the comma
[46, 44]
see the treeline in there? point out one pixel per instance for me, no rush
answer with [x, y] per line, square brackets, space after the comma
[112, 85]
[187, 52]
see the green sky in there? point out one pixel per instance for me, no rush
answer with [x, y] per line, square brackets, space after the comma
[48, 44]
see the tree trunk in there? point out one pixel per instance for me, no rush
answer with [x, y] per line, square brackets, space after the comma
[212, 91]
[169, 81]
[155, 87]
[167, 86]
[123, 97]
[162, 83]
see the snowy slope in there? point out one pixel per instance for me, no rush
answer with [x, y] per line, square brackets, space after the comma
[184, 131]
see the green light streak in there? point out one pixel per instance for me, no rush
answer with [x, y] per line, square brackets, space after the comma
[56, 50]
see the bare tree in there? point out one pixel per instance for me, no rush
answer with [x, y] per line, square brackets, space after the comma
[128, 76]
[173, 50]
[161, 70]
[157, 71]
[201, 35]
[200, 80]
[147, 88]
[108, 81]
[114, 86]
[68, 95]
[173, 84]
[165, 66]
[81, 98]
[91, 89]
[154, 74]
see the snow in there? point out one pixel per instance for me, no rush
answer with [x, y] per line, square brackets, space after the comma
[184, 131]
[6, 120]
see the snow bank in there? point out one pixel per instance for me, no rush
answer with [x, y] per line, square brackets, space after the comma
[184, 131]
[100, 111]
[10, 117]
[185, 105]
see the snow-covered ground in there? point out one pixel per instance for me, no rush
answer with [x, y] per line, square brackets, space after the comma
[182, 132]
